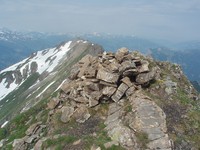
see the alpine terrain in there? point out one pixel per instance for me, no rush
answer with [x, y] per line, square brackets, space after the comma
[78, 96]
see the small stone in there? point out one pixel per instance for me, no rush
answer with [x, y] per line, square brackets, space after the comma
[108, 84]
[74, 72]
[90, 72]
[77, 142]
[126, 65]
[123, 87]
[130, 91]
[85, 63]
[38, 145]
[19, 144]
[67, 112]
[110, 144]
[31, 139]
[130, 72]
[127, 81]
[93, 86]
[144, 67]
[2, 142]
[106, 76]
[81, 114]
[33, 128]
[93, 102]
[53, 103]
[108, 91]
[145, 77]
[94, 147]
[123, 51]
[120, 92]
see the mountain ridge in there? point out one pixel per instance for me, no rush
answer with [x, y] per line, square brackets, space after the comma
[107, 100]
[37, 71]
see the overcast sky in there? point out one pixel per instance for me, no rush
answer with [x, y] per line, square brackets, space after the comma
[164, 19]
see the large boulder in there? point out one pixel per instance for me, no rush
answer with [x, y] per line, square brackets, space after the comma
[117, 131]
[149, 118]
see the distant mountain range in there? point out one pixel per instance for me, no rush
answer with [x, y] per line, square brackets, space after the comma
[15, 46]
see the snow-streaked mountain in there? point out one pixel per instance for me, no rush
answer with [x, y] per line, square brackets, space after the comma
[40, 62]
[26, 82]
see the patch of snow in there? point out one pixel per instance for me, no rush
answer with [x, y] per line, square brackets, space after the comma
[26, 107]
[46, 62]
[60, 85]
[45, 89]
[28, 96]
[14, 67]
[59, 56]
[5, 91]
[85, 42]
[4, 124]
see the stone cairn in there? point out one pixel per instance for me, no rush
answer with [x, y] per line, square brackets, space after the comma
[104, 78]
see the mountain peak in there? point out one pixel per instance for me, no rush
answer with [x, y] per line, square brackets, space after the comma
[105, 100]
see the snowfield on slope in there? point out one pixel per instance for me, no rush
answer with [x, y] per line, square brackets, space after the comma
[46, 60]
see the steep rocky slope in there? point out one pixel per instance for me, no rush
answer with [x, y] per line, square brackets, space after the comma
[120, 100]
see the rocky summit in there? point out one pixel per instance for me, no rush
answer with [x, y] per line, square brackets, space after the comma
[121, 100]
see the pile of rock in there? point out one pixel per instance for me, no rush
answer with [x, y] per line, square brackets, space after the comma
[106, 78]
[33, 134]
[114, 78]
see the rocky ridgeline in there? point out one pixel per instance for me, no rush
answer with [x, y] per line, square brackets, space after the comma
[115, 79]
[107, 77]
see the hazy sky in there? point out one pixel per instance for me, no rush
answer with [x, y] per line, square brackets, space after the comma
[165, 19]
